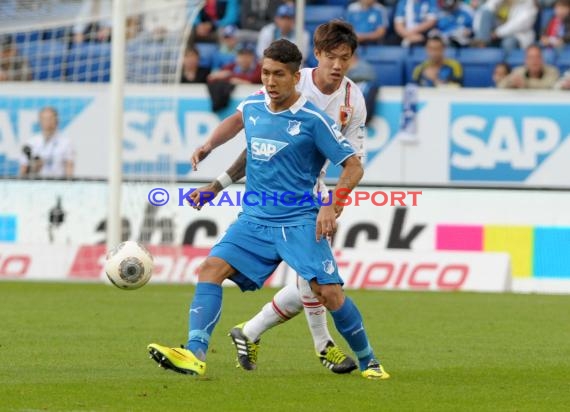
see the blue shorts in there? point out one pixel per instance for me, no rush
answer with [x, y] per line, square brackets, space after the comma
[255, 251]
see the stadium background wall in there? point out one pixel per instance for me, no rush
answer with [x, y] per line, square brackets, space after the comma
[497, 240]
[478, 136]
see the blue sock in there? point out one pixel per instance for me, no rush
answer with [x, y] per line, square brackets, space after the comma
[348, 322]
[204, 314]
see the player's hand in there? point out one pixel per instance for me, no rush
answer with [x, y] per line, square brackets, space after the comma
[326, 222]
[200, 154]
[338, 210]
[202, 195]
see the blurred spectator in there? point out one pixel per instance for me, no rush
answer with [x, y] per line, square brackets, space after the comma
[48, 154]
[13, 67]
[257, 13]
[364, 75]
[154, 55]
[564, 82]
[369, 19]
[413, 19]
[454, 23]
[533, 75]
[191, 70]
[282, 27]
[501, 71]
[557, 32]
[360, 70]
[510, 22]
[215, 15]
[94, 22]
[245, 70]
[161, 18]
[438, 70]
[226, 52]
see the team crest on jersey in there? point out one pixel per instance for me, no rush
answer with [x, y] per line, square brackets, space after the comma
[294, 127]
[345, 114]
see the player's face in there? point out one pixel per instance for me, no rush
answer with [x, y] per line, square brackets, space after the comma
[279, 82]
[333, 64]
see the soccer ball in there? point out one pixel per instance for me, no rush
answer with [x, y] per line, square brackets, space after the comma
[129, 265]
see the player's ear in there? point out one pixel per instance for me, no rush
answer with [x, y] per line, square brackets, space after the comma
[297, 76]
[317, 54]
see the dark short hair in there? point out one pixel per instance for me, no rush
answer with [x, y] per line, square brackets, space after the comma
[505, 65]
[565, 3]
[329, 36]
[286, 52]
[436, 38]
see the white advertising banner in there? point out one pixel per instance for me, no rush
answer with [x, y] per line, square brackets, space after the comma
[401, 270]
[470, 136]
[532, 227]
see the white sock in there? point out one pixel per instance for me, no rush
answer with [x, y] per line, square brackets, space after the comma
[316, 315]
[286, 304]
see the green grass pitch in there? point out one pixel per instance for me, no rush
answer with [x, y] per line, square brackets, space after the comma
[82, 347]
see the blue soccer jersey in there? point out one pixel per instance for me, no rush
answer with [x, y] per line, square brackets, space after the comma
[285, 154]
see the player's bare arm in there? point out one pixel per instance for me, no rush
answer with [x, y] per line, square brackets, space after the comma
[209, 192]
[225, 131]
[351, 174]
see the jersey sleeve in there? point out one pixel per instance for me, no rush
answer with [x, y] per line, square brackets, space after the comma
[330, 142]
[355, 131]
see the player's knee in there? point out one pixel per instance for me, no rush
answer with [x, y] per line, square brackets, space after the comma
[331, 296]
[214, 270]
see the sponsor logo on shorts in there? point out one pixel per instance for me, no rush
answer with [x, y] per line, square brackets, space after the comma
[328, 266]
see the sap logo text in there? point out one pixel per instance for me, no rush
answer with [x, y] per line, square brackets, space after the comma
[265, 149]
[503, 142]
[539, 136]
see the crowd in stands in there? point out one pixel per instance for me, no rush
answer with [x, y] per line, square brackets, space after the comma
[435, 43]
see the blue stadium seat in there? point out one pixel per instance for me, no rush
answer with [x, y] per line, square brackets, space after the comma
[388, 62]
[515, 57]
[310, 59]
[45, 58]
[417, 56]
[207, 51]
[316, 15]
[343, 3]
[478, 65]
[563, 61]
[29, 36]
[89, 62]
[219, 60]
